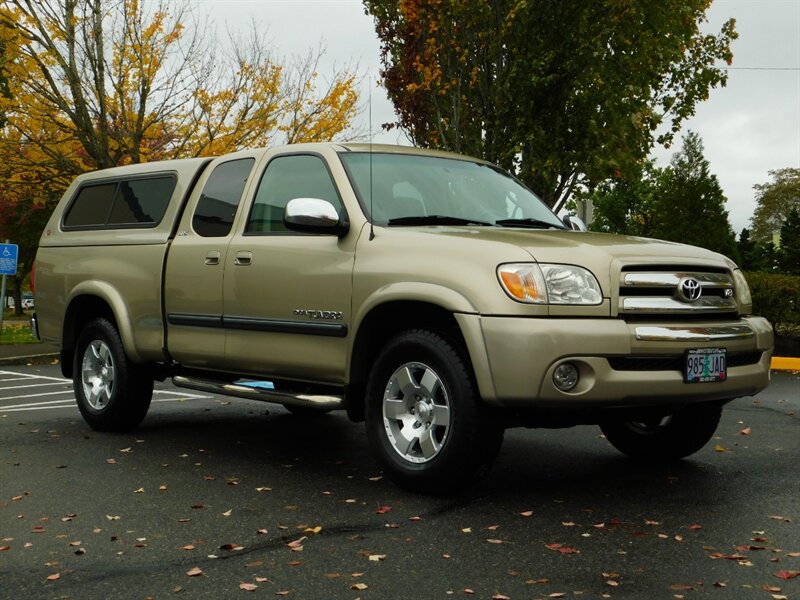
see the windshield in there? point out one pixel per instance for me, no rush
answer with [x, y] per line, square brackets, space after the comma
[418, 190]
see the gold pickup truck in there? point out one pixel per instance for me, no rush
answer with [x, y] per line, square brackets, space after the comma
[428, 294]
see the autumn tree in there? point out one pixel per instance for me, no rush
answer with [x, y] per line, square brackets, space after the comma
[561, 92]
[98, 83]
[774, 201]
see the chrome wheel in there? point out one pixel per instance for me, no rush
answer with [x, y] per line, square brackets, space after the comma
[97, 374]
[416, 412]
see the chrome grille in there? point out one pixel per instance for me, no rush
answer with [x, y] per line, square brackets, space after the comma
[657, 293]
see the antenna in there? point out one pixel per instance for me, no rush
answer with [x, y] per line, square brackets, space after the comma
[371, 214]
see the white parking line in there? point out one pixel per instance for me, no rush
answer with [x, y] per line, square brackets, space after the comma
[71, 404]
[31, 376]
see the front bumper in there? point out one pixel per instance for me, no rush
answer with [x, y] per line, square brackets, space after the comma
[515, 366]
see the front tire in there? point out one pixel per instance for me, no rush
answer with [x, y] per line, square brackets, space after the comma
[665, 438]
[113, 393]
[424, 419]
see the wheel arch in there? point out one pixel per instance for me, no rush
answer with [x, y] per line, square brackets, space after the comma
[89, 301]
[382, 322]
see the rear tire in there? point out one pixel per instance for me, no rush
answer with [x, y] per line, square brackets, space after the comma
[424, 419]
[113, 393]
[665, 438]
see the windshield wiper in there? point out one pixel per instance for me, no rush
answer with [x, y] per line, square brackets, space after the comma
[435, 220]
[530, 223]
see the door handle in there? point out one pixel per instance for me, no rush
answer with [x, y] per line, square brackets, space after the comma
[243, 259]
[212, 258]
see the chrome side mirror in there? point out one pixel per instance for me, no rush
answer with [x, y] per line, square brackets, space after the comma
[574, 223]
[314, 215]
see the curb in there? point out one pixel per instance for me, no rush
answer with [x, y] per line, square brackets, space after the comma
[783, 363]
[30, 359]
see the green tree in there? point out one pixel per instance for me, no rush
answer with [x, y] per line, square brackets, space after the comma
[689, 205]
[754, 255]
[790, 243]
[775, 200]
[625, 205]
[561, 92]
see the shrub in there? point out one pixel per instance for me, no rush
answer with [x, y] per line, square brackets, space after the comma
[777, 298]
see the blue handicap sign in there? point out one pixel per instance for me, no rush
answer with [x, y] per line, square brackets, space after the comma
[8, 259]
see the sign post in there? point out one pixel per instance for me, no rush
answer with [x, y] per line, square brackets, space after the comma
[8, 266]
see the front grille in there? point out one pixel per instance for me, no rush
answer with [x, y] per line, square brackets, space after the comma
[648, 292]
[674, 363]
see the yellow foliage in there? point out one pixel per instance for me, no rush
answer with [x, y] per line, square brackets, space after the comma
[155, 95]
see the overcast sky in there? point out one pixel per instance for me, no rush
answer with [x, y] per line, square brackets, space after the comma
[748, 128]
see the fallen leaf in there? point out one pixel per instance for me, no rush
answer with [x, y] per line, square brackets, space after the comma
[377, 557]
[770, 588]
[262, 531]
[681, 587]
[126, 450]
[162, 488]
[262, 580]
[113, 517]
[4, 548]
[787, 575]
[745, 431]
[466, 530]
[195, 572]
[188, 547]
[720, 448]
[139, 491]
[649, 522]
[297, 545]
[495, 541]
[54, 577]
[248, 587]
[526, 513]
[499, 596]
[695, 526]
[612, 583]
[359, 586]
[316, 529]
[263, 489]
[720, 584]
[469, 591]
[780, 518]
[231, 547]
[227, 513]
[382, 510]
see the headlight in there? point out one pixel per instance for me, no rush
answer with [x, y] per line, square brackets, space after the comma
[743, 296]
[549, 284]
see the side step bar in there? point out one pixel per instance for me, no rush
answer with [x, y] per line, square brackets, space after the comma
[259, 393]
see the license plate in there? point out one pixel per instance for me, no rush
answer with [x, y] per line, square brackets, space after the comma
[705, 365]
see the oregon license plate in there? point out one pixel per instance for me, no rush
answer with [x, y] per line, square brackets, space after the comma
[705, 365]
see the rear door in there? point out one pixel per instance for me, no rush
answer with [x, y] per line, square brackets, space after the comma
[287, 295]
[193, 289]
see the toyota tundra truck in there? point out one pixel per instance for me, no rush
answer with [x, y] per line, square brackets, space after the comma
[430, 295]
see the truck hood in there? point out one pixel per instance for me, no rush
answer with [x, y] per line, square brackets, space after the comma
[602, 253]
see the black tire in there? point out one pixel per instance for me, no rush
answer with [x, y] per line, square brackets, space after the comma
[113, 394]
[669, 438]
[437, 438]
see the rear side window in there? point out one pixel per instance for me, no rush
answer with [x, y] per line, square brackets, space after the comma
[133, 202]
[222, 193]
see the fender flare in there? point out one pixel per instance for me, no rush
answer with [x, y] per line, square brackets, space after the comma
[112, 297]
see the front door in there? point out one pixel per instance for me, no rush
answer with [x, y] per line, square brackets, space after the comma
[287, 295]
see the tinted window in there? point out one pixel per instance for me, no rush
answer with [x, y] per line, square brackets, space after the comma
[286, 178]
[91, 206]
[222, 193]
[142, 200]
[126, 202]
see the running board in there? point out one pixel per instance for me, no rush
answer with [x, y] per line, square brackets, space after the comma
[264, 394]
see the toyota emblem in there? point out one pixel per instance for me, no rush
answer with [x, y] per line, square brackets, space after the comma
[689, 289]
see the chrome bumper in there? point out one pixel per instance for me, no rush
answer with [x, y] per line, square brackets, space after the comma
[694, 334]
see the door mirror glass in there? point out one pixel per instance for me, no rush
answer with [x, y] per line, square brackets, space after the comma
[575, 223]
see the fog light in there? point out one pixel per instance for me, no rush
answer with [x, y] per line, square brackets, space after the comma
[565, 377]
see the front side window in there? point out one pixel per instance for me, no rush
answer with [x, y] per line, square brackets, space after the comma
[221, 196]
[287, 178]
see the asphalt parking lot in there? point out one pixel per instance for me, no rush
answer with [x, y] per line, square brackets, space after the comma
[214, 497]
